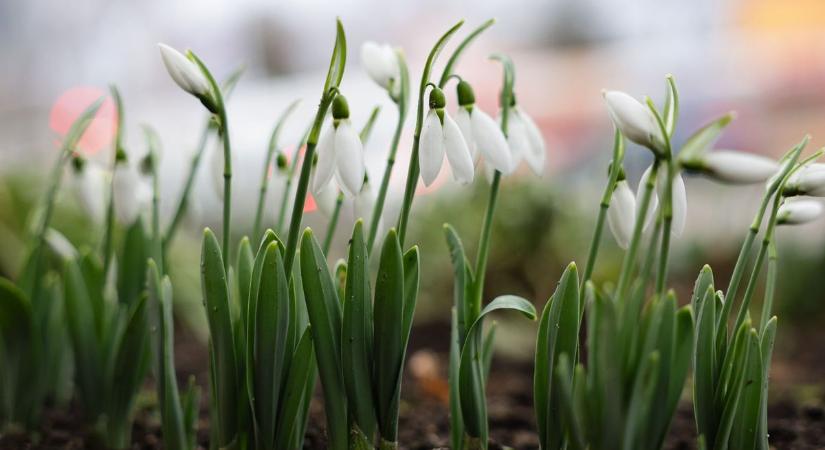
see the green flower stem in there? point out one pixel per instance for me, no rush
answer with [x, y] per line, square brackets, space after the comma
[667, 202]
[270, 152]
[279, 226]
[615, 169]
[303, 180]
[108, 236]
[396, 138]
[333, 222]
[770, 287]
[223, 130]
[629, 260]
[183, 201]
[484, 243]
[414, 170]
[157, 238]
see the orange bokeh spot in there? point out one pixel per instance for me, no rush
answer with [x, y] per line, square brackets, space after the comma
[310, 205]
[68, 107]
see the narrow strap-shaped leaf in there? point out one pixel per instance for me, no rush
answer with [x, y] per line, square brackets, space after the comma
[325, 316]
[162, 329]
[658, 424]
[704, 365]
[271, 327]
[460, 282]
[671, 110]
[558, 333]
[731, 398]
[745, 433]
[388, 314]
[92, 269]
[290, 419]
[340, 278]
[356, 342]
[641, 399]
[131, 279]
[471, 376]
[679, 365]
[700, 287]
[766, 347]
[244, 269]
[225, 371]
[487, 349]
[564, 377]
[86, 348]
[190, 402]
[701, 140]
[15, 315]
[456, 421]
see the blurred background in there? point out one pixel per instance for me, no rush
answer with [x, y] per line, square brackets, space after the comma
[764, 59]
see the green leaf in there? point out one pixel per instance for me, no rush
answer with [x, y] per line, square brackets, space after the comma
[356, 343]
[488, 348]
[766, 348]
[745, 433]
[701, 141]
[700, 287]
[162, 327]
[730, 398]
[704, 365]
[301, 375]
[131, 278]
[471, 370]
[459, 50]
[225, 370]
[462, 279]
[339, 58]
[15, 316]
[389, 313]
[558, 334]
[86, 348]
[269, 350]
[190, 402]
[245, 268]
[325, 316]
[456, 421]
[641, 400]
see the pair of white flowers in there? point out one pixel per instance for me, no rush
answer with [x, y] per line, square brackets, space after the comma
[130, 188]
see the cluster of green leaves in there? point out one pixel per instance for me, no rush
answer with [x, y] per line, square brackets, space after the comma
[361, 339]
[34, 349]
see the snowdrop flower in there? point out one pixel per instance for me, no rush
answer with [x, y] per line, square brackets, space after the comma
[525, 140]
[621, 216]
[737, 167]
[60, 244]
[481, 133]
[440, 135]
[634, 120]
[798, 212]
[381, 65]
[131, 193]
[679, 202]
[184, 72]
[809, 180]
[340, 152]
[364, 204]
[89, 183]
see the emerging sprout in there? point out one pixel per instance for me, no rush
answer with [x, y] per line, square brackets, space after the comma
[439, 135]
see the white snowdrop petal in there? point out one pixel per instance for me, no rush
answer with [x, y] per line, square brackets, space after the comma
[491, 141]
[60, 244]
[325, 199]
[349, 156]
[380, 62]
[327, 156]
[633, 119]
[431, 148]
[458, 155]
[677, 226]
[517, 140]
[537, 152]
[798, 212]
[462, 118]
[739, 167]
[621, 216]
[183, 71]
[128, 194]
[654, 201]
[89, 189]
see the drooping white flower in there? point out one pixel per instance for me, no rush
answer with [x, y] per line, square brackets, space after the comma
[809, 180]
[89, 186]
[798, 212]
[364, 204]
[185, 72]
[131, 193]
[381, 64]
[633, 119]
[621, 216]
[678, 205]
[440, 135]
[481, 133]
[738, 167]
[340, 152]
[525, 140]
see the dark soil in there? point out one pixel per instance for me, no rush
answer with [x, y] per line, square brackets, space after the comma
[795, 422]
